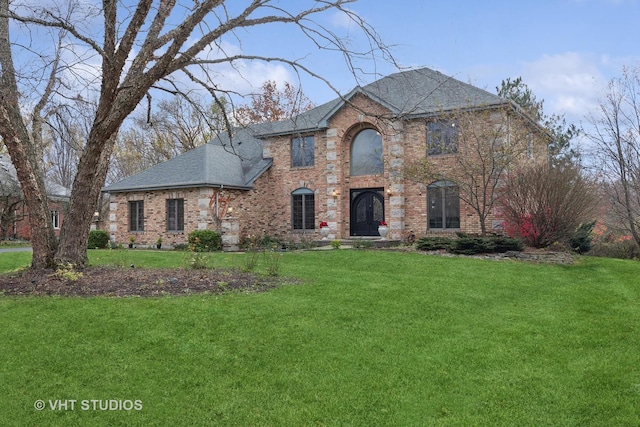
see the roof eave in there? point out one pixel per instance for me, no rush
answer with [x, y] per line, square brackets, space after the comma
[290, 132]
[175, 187]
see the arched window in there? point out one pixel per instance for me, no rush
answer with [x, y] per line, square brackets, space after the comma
[303, 211]
[444, 205]
[366, 153]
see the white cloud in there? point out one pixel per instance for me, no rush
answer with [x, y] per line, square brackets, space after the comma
[340, 19]
[570, 83]
[244, 76]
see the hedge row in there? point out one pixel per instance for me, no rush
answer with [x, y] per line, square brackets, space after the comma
[466, 245]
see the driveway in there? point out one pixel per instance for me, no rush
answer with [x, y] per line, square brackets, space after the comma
[23, 249]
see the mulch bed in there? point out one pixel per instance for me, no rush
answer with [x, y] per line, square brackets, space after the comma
[122, 282]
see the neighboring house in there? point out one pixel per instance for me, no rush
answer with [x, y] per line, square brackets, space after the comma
[14, 217]
[340, 162]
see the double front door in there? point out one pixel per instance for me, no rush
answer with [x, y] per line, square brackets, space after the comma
[367, 210]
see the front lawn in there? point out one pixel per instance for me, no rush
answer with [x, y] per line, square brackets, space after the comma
[369, 338]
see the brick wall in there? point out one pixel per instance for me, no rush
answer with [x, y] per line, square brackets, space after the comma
[266, 209]
[21, 229]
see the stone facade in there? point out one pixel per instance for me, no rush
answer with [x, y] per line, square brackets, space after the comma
[266, 209]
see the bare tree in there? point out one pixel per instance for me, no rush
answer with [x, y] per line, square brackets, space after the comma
[174, 126]
[474, 149]
[142, 47]
[544, 204]
[273, 104]
[64, 140]
[11, 198]
[616, 135]
[182, 124]
[23, 139]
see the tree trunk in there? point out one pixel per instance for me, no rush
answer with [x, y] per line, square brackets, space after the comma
[43, 240]
[23, 153]
[92, 171]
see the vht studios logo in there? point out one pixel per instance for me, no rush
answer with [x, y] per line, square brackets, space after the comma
[88, 405]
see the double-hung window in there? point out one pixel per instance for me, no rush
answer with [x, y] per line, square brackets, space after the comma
[136, 215]
[302, 151]
[442, 137]
[444, 206]
[303, 209]
[175, 214]
[55, 219]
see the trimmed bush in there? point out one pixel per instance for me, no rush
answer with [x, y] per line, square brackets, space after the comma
[434, 243]
[472, 246]
[98, 239]
[205, 241]
[503, 244]
[467, 245]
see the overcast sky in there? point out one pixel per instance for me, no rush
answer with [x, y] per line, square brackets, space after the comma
[565, 50]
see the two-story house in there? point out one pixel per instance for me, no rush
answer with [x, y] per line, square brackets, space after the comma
[341, 162]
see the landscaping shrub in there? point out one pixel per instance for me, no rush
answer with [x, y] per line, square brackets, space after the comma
[204, 241]
[272, 261]
[503, 244]
[622, 249]
[543, 205]
[434, 243]
[98, 239]
[197, 260]
[269, 242]
[581, 240]
[472, 246]
[468, 245]
[254, 243]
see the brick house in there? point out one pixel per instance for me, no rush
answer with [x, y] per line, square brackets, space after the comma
[15, 224]
[338, 162]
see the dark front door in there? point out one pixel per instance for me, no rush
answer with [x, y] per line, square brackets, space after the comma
[367, 210]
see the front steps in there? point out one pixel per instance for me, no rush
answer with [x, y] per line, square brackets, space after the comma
[362, 242]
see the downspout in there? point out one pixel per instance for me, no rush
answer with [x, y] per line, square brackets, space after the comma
[218, 201]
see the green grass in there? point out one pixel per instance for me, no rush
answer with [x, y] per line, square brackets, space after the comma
[371, 338]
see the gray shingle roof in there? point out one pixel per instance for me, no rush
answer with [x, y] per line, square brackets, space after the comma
[9, 181]
[423, 92]
[410, 94]
[217, 163]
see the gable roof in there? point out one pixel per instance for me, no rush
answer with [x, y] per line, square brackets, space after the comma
[408, 94]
